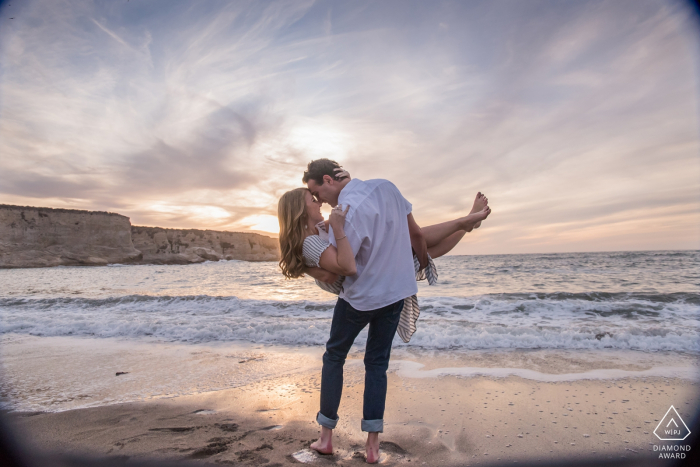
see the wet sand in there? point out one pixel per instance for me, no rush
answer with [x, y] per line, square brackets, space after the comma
[440, 411]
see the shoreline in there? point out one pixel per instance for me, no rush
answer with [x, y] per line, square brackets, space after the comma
[62, 373]
[214, 256]
[433, 414]
[139, 263]
[263, 424]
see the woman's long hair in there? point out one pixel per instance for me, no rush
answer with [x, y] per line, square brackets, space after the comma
[291, 213]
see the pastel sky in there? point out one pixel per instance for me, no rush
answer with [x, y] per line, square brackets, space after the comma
[579, 120]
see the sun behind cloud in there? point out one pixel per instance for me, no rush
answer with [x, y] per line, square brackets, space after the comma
[263, 223]
[579, 124]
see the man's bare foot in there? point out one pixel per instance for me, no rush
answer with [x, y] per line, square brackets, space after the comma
[469, 222]
[324, 445]
[480, 202]
[372, 448]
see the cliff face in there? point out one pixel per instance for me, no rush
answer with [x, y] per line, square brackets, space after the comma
[41, 237]
[37, 237]
[175, 246]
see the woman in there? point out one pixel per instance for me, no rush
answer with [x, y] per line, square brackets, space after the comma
[305, 248]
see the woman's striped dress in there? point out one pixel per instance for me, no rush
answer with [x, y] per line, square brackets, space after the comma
[315, 245]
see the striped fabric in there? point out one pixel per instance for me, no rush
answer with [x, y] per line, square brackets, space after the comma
[411, 311]
[333, 288]
[314, 246]
[312, 249]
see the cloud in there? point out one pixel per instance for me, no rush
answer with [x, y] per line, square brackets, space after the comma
[34, 185]
[212, 156]
[568, 115]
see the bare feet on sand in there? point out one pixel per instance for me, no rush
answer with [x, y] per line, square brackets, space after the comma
[324, 445]
[372, 448]
[480, 202]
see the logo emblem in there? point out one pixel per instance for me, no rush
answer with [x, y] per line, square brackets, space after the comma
[672, 427]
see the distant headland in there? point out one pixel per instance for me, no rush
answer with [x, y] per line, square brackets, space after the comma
[32, 237]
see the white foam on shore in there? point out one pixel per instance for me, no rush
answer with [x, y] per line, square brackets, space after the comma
[409, 369]
[555, 321]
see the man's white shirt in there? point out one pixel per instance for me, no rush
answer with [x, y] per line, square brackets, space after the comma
[377, 229]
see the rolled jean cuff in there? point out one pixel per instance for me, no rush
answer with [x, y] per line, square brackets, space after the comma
[325, 421]
[373, 426]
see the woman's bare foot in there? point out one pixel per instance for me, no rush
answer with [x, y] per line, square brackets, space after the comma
[470, 222]
[372, 448]
[480, 202]
[324, 445]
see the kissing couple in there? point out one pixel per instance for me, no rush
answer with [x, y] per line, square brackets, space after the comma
[370, 252]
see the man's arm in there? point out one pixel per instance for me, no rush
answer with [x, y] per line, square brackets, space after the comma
[418, 241]
[321, 274]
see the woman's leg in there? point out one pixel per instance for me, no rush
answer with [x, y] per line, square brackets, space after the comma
[441, 238]
[436, 233]
[446, 245]
[444, 236]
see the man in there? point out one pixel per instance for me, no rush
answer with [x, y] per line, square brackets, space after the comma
[381, 231]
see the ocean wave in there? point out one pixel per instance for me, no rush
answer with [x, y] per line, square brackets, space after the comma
[524, 320]
[677, 297]
[559, 305]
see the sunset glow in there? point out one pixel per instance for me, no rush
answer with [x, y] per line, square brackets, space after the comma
[264, 223]
[577, 119]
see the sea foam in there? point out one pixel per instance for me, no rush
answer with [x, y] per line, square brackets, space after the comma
[558, 321]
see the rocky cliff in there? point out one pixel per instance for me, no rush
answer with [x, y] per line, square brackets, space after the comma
[41, 237]
[179, 246]
[38, 237]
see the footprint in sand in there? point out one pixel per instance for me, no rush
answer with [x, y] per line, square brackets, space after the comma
[230, 427]
[272, 428]
[383, 457]
[176, 429]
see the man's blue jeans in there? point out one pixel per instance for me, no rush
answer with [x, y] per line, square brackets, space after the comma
[347, 324]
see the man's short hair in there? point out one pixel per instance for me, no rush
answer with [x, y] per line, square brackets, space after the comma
[318, 168]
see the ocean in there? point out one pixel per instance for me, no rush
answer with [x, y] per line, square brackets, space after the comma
[639, 301]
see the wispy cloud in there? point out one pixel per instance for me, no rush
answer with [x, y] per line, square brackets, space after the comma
[111, 34]
[578, 119]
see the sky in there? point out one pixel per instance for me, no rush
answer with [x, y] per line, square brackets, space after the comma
[578, 120]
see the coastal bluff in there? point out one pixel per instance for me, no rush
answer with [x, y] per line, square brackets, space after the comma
[183, 246]
[33, 237]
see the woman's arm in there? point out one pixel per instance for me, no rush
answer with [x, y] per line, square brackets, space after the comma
[321, 274]
[340, 260]
[331, 261]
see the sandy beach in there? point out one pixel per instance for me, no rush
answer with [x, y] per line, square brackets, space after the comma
[468, 408]
[175, 174]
